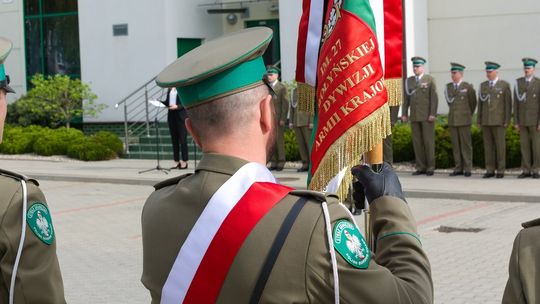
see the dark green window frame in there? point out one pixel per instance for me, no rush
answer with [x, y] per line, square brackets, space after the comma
[40, 16]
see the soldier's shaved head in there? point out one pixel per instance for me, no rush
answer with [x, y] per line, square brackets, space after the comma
[228, 115]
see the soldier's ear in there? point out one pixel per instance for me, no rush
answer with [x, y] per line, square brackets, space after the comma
[189, 127]
[266, 108]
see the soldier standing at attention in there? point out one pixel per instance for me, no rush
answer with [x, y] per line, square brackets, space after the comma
[524, 266]
[281, 106]
[229, 233]
[29, 270]
[302, 124]
[461, 99]
[527, 118]
[421, 97]
[494, 112]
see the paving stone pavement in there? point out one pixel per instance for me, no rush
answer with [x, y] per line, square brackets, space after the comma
[99, 242]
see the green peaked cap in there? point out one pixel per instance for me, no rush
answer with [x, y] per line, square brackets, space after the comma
[272, 70]
[218, 68]
[492, 66]
[418, 60]
[456, 67]
[529, 62]
[5, 49]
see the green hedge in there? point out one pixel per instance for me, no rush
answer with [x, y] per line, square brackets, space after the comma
[62, 141]
[403, 150]
[291, 146]
[57, 141]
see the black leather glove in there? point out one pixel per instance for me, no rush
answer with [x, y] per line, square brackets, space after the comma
[4, 85]
[372, 185]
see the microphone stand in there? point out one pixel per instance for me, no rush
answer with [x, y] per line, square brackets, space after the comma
[156, 129]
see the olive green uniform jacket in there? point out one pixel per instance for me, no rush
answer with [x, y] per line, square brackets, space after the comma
[494, 104]
[523, 286]
[281, 101]
[527, 112]
[301, 122]
[302, 273]
[461, 104]
[421, 97]
[527, 116]
[281, 108]
[38, 276]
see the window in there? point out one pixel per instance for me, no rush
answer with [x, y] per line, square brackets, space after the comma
[52, 37]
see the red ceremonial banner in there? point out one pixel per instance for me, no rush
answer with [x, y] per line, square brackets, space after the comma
[393, 38]
[350, 82]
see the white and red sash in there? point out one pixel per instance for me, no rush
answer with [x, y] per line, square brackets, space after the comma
[210, 248]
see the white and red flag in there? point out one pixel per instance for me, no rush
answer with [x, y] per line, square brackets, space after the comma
[352, 114]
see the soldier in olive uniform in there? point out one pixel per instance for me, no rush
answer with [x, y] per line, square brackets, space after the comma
[388, 149]
[229, 234]
[494, 112]
[29, 270]
[523, 280]
[421, 97]
[302, 124]
[527, 118]
[461, 99]
[281, 106]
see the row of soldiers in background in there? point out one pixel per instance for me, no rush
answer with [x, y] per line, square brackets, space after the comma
[300, 122]
[494, 114]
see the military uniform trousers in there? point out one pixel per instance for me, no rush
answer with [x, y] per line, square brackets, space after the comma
[388, 151]
[423, 133]
[303, 135]
[462, 148]
[494, 148]
[278, 156]
[529, 138]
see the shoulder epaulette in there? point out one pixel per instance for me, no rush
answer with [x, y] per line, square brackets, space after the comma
[317, 195]
[18, 176]
[171, 181]
[532, 223]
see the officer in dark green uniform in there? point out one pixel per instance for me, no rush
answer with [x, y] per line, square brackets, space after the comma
[523, 280]
[281, 106]
[217, 236]
[302, 124]
[421, 97]
[527, 118]
[29, 270]
[494, 113]
[461, 99]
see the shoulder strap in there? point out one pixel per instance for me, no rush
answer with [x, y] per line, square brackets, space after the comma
[532, 223]
[171, 181]
[275, 249]
[18, 176]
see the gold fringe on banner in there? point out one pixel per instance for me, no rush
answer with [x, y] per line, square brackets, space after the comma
[306, 97]
[347, 151]
[395, 91]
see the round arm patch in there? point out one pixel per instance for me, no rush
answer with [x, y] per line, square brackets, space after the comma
[39, 220]
[351, 245]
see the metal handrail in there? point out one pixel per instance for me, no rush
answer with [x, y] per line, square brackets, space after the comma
[135, 92]
[136, 111]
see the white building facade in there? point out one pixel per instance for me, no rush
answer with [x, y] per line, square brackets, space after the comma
[119, 45]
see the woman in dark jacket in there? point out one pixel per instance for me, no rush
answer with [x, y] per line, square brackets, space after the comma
[176, 119]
